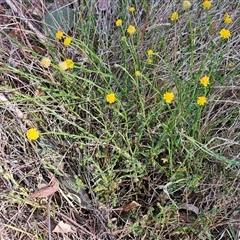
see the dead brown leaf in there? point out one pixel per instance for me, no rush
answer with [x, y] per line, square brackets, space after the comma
[46, 191]
[190, 207]
[188, 213]
[127, 207]
[130, 206]
[62, 228]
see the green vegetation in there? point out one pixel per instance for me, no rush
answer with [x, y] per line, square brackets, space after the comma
[131, 119]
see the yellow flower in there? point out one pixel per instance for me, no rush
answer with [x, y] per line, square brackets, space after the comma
[150, 52]
[149, 60]
[168, 97]
[63, 66]
[205, 81]
[201, 100]
[32, 134]
[118, 22]
[111, 98]
[69, 63]
[227, 19]
[225, 33]
[67, 41]
[230, 65]
[59, 34]
[174, 16]
[131, 29]
[137, 73]
[46, 62]
[206, 4]
[164, 160]
[226, 15]
[131, 9]
[186, 5]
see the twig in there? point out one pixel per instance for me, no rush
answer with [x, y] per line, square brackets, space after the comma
[49, 218]
[146, 23]
[17, 10]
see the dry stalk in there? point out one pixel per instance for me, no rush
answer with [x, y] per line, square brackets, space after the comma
[16, 9]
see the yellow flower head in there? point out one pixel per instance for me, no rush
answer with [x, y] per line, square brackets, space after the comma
[149, 60]
[67, 41]
[69, 63]
[201, 100]
[137, 73]
[164, 160]
[230, 65]
[168, 97]
[111, 98]
[206, 4]
[186, 5]
[59, 34]
[131, 29]
[118, 22]
[131, 9]
[205, 81]
[32, 134]
[225, 33]
[227, 19]
[174, 16]
[150, 52]
[63, 66]
[46, 62]
[226, 15]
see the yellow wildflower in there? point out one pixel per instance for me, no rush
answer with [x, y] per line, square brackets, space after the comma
[137, 73]
[131, 9]
[186, 5]
[225, 33]
[67, 41]
[230, 65]
[168, 97]
[63, 66]
[164, 160]
[118, 22]
[32, 134]
[69, 63]
[131, 29]
[174, 16]
[111, 98]
[201, 100]
[149, 60]
[227, 19]
[59, 34]
[205, 81]
[150, 52]
[46, 62]
[206, 4]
